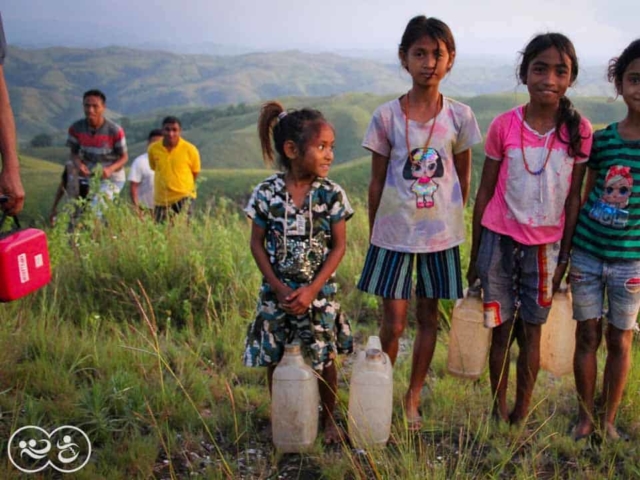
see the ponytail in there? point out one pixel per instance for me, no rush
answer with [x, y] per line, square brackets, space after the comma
[266, 121]
[569, 116]
[277, 126]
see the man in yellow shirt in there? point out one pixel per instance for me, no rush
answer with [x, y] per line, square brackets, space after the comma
[176, 164]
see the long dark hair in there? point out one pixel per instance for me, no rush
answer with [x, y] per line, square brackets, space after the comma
[422, 26]
[298, 126]
[618, 65]
[567, 114]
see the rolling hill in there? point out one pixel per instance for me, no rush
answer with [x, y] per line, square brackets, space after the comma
[226, 136]
[231, 158]
[46, 84]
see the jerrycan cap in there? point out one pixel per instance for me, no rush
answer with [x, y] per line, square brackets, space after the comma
[292, 348]
[374, 355]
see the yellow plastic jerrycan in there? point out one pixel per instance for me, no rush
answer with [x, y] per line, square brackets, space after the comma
[558, 335]
[370, 397]
[469, 340]
[295, 403]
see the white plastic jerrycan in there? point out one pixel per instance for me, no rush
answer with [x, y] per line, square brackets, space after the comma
[295, 403]
[370, 397]
[469, 340]
[558, 335]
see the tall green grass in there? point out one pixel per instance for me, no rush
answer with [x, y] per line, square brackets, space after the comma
[138, 339]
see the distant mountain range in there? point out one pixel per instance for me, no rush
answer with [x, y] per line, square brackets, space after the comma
[46, 84]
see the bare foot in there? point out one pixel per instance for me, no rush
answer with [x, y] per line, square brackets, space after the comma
[412, 413]
[516, 418]
[499, 416]
[612, 433]
[582, 430]
[332, 434]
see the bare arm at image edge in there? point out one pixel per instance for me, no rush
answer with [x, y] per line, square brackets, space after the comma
[10, 183]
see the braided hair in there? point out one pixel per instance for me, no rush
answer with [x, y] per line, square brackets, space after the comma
[567, 114]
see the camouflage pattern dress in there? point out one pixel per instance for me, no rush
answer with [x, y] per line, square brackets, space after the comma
[297, 241]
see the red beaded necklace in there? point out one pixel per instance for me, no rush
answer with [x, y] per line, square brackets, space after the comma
[406, 122]
[524, 158]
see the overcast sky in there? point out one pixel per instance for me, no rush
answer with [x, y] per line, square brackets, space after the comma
[598, 28]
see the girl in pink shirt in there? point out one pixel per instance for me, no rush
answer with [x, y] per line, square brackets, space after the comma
[525, 213]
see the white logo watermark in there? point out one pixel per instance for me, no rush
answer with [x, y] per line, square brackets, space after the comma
[32, 449]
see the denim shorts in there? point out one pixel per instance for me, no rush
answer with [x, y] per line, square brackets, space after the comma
[515, 278]
[592, 277]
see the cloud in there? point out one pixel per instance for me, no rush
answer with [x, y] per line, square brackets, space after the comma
[498, 27]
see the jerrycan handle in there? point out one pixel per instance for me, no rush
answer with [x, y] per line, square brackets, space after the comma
[564, 286]
[4, 217]
[475, 290]
[5, 199]
[373, 342]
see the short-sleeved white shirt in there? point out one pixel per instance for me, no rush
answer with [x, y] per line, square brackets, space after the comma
[141, 173]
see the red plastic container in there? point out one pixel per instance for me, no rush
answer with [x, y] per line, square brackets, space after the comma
[24, 263]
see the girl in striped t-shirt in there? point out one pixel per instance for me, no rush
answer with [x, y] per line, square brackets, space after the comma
[606, 254]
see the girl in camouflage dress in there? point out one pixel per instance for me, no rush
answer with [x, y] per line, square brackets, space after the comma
[298, 237]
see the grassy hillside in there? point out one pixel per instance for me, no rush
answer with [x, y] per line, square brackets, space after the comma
[138, 341]
[599, 110]
[226, 136]
[232, 162]
[41, 179]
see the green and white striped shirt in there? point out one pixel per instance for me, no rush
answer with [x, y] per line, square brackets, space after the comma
[609, 221]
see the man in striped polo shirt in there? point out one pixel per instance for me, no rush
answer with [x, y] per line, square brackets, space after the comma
[96, 140]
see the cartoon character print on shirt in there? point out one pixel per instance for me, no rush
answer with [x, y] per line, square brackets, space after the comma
[609, 209]
[422, 166]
